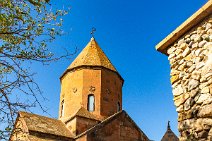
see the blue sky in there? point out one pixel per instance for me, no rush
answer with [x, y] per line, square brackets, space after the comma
[127, 31]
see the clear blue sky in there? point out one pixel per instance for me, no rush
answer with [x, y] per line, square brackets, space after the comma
[127, 31]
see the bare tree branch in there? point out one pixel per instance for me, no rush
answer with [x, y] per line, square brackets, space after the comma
[26, 29]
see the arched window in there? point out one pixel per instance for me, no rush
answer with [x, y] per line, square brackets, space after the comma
[91, 103]
[62, 109]
[118, 107]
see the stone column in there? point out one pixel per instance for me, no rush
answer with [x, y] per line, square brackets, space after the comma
[191, 78]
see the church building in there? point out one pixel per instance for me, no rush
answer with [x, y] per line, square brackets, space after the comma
[90, 107]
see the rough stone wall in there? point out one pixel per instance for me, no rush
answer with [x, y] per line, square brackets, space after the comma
[191, 77]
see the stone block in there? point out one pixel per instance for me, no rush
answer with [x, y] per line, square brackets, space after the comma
[174, 79]
[192, 84]
[205, 111]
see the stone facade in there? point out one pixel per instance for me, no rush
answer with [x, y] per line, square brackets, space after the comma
[190, 58]
[120, 129]
[117, 128]
[191, 77]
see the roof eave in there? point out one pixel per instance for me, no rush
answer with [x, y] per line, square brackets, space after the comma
[84, 66]
[192, 21]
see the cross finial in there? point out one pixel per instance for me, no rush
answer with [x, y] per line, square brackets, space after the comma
[168, 127]
[92, 31]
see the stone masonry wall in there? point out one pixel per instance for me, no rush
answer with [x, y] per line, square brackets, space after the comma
[191, 77]
[119, 129]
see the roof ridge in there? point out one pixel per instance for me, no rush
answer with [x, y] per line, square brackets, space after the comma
[82, 109]
[36, 115]
[103, 121]
[90, 116]
[107, 120]
[33, 123]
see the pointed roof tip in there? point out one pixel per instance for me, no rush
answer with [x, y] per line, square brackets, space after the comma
[169, 135]
[168, 126]
[92, 55]
[92, 38]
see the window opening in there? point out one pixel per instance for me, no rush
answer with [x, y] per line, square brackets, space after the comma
[91, 103]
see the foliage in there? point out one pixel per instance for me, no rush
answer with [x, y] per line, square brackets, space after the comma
[26, 27]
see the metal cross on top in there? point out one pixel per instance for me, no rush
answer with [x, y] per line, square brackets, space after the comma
[92, 31]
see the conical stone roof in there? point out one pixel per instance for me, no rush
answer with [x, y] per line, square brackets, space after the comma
[92, 55]
[169, 135]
